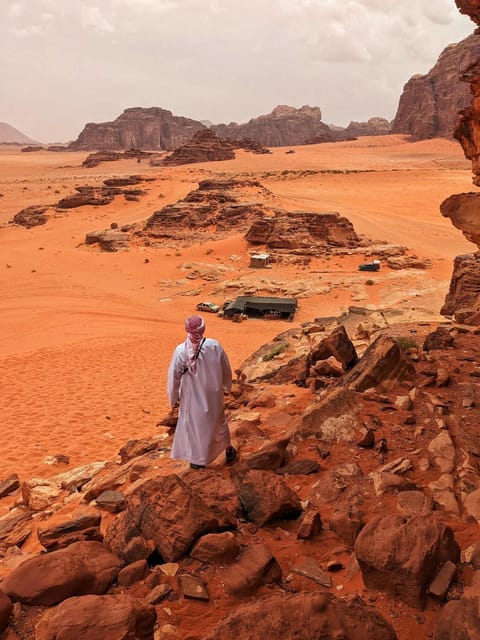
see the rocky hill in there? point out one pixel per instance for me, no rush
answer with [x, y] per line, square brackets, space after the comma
[10, 135]
[148, 129]
[282, 127]
[430, 103]
[373, 127]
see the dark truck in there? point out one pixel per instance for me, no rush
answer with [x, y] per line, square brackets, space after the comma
[370, 266]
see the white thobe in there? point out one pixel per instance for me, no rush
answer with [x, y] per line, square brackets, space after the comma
[202, 431]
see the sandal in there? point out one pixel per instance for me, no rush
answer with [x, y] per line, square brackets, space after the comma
[231, 455]
[196, 466]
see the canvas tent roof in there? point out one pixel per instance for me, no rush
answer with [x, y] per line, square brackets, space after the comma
[261, 303]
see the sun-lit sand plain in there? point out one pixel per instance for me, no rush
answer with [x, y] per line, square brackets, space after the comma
[86, 336]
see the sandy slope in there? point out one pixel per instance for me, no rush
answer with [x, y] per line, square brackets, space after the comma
[86, 336]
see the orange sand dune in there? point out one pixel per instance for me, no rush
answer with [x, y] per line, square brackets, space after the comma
[86, 336]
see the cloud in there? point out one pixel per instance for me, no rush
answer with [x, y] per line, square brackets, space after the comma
[218, 59]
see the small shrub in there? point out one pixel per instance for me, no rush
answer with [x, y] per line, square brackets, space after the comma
[404, 343]
[275, 351]
[369, 282]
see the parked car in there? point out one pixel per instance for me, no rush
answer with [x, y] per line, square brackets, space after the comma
[209, 307]
[370, 266]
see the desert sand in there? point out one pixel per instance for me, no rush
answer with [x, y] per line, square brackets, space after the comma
[86, 336]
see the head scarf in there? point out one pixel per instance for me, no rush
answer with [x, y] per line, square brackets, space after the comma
[195, 327]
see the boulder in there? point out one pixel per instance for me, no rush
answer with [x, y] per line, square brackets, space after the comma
[9, 485]
[96, 617]
[303, 616]
[334, 482]
[216, 547]
[15, 527]
[459, 620]
[463, 297]
[401, 555]
[80, 569]
[266, 497]
[31, 216]
[270, 456]
[6, 609]
[382, 366]
[255, 567]
[333, 418]
[167, 513]
[83, 526]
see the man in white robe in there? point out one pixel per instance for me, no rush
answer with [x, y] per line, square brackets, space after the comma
[198, 376]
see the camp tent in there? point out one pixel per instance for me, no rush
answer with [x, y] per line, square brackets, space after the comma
[260, 306]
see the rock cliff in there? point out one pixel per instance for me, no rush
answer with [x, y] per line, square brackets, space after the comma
[205, 146]
[303, 231]
[463, 298]
[429, 104]
[373, 127]
[282, 127]
[152, 129]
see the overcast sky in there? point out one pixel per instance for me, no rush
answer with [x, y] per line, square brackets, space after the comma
[68, 62]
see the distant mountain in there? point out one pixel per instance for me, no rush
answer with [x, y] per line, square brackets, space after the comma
[430, 103]
[284, 126]
[156, 129]
[150, 129]
[10, 135]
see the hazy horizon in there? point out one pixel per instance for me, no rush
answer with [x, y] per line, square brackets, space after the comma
[67, 63]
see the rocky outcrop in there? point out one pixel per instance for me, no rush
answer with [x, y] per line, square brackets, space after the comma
[219, 204]
[151, 129]
[113, 617]
[303, 616]
[373, 127]
[205, 146]
[460, 618]
[283, 126]
[470, 8]
[31, 216]
[463, 297]
[307, 231]
[79, 569]
[430, 103]
[402, 555]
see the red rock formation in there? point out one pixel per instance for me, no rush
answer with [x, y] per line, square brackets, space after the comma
[373, 127]
[463, 299]
[205, 146]
[218, 204]
[283, 126]
[430, 103]
[470, 8]
[31, 216]
[152, 128]
[303, 230]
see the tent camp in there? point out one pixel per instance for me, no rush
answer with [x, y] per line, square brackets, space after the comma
[261, 307]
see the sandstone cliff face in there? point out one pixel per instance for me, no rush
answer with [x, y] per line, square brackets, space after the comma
[152, 129]
[303, 231]
[430, 103]
[373, 127]
[463, 298]
[205, 146]
[470, 8]
[282, 127]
